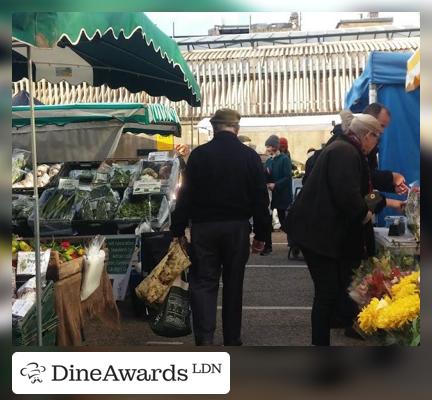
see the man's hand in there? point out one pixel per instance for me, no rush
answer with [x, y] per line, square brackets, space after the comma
[399, 183]
[257, 246]
[182, 240]
[271, 186]
[396, 204]
[182, 150]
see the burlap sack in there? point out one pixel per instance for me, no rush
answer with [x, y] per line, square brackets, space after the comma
[58, 270]
[155, 286]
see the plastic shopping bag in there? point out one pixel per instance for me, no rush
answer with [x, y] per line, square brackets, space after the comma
[94, 263]
[172, 317]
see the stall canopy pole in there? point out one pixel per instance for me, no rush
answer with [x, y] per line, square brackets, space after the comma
[36, 205]
[191, 122]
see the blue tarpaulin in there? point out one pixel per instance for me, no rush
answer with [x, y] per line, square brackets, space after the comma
[399, 149]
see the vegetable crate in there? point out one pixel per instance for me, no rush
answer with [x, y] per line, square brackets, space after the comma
[24, 329]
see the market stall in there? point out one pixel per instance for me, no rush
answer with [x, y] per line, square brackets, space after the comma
[387, 287]
[109, 196]
[89, 132]
[116, 49]
[383, 80]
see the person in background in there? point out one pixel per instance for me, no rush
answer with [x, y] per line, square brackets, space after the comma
[224, 187]
[310, 152]
[385, 181]
[279, 182]
[331, 218]
[310, 160]
[283, 148]
[246, 140]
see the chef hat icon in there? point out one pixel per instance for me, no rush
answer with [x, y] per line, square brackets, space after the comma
[32, 371]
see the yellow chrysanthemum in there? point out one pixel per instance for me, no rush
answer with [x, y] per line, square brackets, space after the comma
[407, 286]
[398, 312]
[368, 316]
[391, 313]
[405, 290]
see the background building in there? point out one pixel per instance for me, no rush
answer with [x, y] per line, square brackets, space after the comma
[268, 76]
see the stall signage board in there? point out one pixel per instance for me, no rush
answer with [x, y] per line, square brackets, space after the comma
[158, 156]
[143, 187]
[121, 249]
[26, 262]
[164, 142]
[68, 184]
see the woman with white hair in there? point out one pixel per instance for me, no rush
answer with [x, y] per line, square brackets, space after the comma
[331, 218]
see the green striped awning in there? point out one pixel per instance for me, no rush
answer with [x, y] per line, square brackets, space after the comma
[70, 113]
[123, 49]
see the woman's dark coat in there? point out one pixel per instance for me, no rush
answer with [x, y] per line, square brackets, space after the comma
[327, 215]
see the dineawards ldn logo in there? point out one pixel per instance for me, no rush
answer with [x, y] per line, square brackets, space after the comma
[33, 371]
[120, 373]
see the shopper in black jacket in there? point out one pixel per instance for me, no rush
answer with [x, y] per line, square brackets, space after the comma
[330, 219]
[382, 180]
[224, 187]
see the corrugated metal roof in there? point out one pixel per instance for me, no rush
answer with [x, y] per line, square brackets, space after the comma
[298, 37]
[304, 49]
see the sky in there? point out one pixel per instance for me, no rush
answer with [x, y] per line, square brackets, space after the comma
[199, 23]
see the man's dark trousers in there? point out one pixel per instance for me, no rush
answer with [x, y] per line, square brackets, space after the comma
[218, 247]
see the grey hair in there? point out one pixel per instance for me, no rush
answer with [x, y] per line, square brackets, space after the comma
[359, 125]
[346, 118]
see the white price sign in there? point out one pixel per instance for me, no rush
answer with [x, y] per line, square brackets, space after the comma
[26, 262]
[101, 177]
[21, 307]
[68, 184]
[158, 156]
[144, 187]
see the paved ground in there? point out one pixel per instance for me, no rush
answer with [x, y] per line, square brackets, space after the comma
[276, 309]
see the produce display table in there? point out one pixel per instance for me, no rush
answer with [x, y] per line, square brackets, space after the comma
[405, 244]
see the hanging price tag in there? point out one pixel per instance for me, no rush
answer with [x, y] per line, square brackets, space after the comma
[145, 187]
[101, 177]
[158, 156]
[68, 184]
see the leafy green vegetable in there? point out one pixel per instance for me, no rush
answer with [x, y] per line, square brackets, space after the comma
[99, 204]
[145, 209]
[59, 206]
[121, 177]
[22, 207]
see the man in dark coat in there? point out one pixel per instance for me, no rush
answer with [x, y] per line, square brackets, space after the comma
[331, 221]
[224, 187]
[385, 181]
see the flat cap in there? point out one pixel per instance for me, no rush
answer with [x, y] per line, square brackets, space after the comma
[226, 115]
